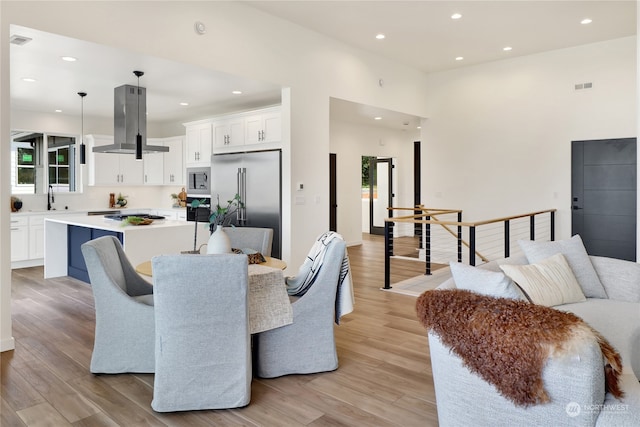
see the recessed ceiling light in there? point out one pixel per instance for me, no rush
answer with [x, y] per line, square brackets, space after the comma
[459, 58]
[58, 111]
[586, 21]
[507, 48]
[456, 16]
[237, 92]
[377, 118]
[380, 36]
[418, 127]
[69, 58]
[184, 104]
[28, 79]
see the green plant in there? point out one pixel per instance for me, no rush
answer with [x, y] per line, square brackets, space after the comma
[223, 215]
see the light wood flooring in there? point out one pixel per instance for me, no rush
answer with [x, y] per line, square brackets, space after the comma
[384, 377]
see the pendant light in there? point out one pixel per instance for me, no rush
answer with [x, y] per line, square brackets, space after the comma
[83, 148]
[138, 136]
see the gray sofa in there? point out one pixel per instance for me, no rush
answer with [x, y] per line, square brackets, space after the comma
[576, 389]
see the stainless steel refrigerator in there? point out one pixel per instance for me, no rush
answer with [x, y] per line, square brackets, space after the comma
[256, 177]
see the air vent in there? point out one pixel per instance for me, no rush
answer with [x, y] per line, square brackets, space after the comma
[19, 40]
[581, 86]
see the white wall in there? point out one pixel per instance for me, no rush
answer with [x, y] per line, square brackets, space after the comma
[498, 138]
[352, 141]
[242, 41]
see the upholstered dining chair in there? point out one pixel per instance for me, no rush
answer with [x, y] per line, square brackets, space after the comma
[258, 239]
[308, 344]
[124, 332]
[203, 347]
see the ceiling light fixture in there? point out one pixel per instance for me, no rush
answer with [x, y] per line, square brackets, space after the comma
[380, 36]
[456, 16]
[184, 104]
[459, 58]
[138, 136]
[377, 118]
[58, 111]
[586, 21]
[69, 58]
[507, 48]
[28, 79]
[237, 92]
[83, 148]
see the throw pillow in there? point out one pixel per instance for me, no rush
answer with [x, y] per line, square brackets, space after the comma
[485, 282]
[549, 282]
[577, 258]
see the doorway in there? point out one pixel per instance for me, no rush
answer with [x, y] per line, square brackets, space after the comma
[377, 189]
[603, 187]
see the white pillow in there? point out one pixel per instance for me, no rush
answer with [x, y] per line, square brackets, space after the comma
[485, 282]
[549, 282]
[577, 258]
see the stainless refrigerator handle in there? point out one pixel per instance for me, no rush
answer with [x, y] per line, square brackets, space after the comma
[243, 196]
[239, 192]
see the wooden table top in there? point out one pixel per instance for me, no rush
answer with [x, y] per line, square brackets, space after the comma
[145, 267]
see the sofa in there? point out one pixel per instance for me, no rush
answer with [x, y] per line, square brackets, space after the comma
[575, 384]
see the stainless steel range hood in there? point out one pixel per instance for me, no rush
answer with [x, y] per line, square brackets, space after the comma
[127, 107]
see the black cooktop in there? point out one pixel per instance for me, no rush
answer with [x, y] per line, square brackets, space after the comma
[122, 217]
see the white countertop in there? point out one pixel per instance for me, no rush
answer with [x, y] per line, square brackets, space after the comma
[102, 223]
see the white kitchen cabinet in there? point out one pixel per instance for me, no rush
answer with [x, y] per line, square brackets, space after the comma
[199, 143]
[111, 168]
[19, 238]
[174, 173]
[36, 236]
[229, 131]
[153, 164]
[263, 126]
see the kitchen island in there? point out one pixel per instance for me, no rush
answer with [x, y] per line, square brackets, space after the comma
[64, 234]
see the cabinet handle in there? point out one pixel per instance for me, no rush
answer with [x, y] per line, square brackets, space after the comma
[145, 177]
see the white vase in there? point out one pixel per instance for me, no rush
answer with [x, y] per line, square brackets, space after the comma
[219, 242]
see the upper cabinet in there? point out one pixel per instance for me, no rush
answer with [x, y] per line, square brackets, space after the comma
[199, 141]
[174, 173]
[166, 168]
[225, 133]
[153, 165]
[109, 168]
[263, 127]
[228, 131]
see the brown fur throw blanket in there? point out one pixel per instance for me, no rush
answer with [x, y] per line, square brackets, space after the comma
[507, 342]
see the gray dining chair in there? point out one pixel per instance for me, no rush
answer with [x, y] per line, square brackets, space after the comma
[308, 344]
[258, 239]
[125, 328]
[203, 348]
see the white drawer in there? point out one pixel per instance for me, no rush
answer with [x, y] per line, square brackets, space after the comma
[17, 221]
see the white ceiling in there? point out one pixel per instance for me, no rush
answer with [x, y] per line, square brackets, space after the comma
[99, 69]
[418, 33]
[421, 33]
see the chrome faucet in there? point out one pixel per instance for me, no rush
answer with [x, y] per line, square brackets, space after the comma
[50, 198]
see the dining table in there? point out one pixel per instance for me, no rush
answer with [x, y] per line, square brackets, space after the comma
[269, 304]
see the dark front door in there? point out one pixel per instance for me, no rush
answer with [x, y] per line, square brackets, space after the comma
[603, 187]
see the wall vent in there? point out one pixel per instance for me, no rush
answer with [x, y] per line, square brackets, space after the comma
[19, 40]
[580, 86]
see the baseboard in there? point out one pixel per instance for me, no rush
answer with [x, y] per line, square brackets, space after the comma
[7, 344]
